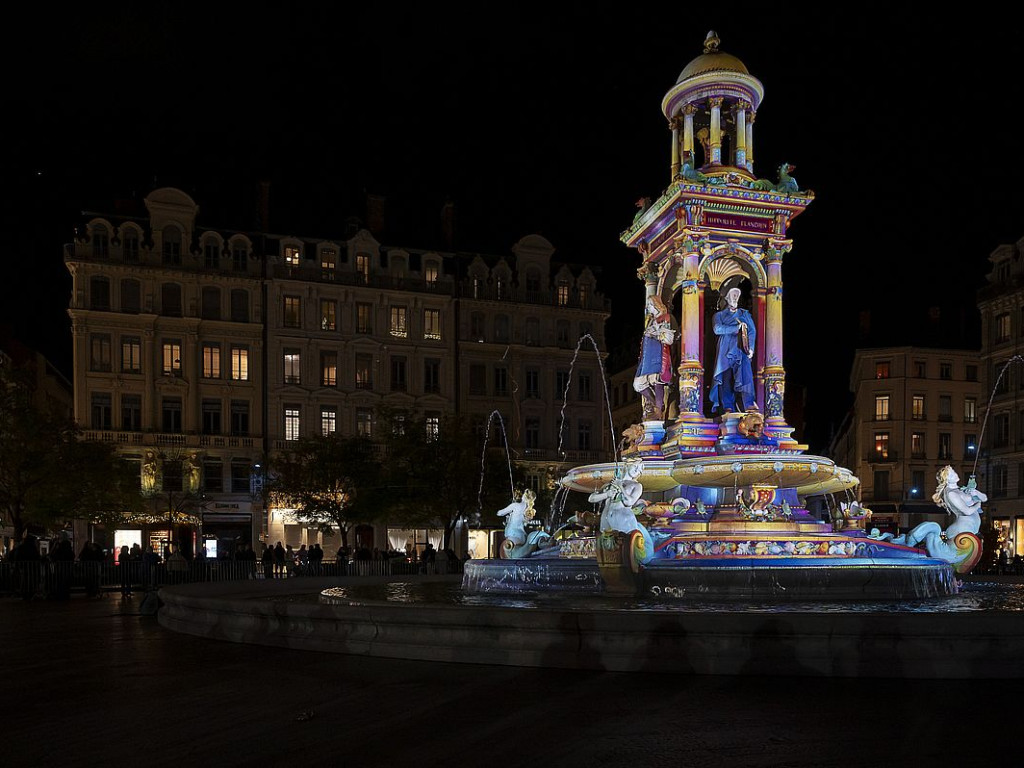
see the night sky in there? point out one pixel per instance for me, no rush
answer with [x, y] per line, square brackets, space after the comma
[530, 120]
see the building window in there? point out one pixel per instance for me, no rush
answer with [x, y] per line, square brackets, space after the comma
[364, 318]
[945, 446]
[971, 373]
[917, 407]
[970, 447]
[170, 299]
[172, 358]
[239, 306]
[970, 410]
[917, 445]
[532, 382]
[328, 369]
[328, 315]
[882, 370]
[213, 475]
[532, 332]
[584, 295]
[946, 371]
[131, 413]
[240, 363]
[211, 361]
[131, 297]
[586, 329]
[433, 427]
[501, 329]
[920, 369]
[291, 255]
[499, 289]
[431, 273]
[584, 386]
[583, 435]
[239, 257]
[432, 324]
[328, 263]
[364, 422]
[431, 376]
[210, 303]
[533, 281]
[881, 489]
[562, 333]
[398, 424]
[172, 246]
[292, 366]
[398, 378]
[476, 326]
[398, 327]
[240, 418]
[477, 379]
[364, 371]
[291, 422]
[478, 286]
[131, 354]
[1001, 430]
[171, 414]
[211, 254]
[881, 407]
[999, 480]
[211, 417]
[881, 445]
[130, 247]
[292, 312]
[945, 408]
[241, 476]
[916, 484]
[1002, 327]
[100, 242]
[101, 410]
[363, 267]
[532, 434]
[501, 381]
[99, 294]
[328, 420]
[562, 294]
[99, 352]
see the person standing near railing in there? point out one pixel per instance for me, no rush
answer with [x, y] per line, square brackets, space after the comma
[150, 561]
[27, 561]
[123, 558]
[90, 557]
[62, 560]
[279, 557]
[268, 562]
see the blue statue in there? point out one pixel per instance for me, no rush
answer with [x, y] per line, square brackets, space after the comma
[654, 369]
[733, 384]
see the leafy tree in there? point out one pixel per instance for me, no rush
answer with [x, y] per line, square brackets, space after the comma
[96, 484]
[434, 473]
[330, 481]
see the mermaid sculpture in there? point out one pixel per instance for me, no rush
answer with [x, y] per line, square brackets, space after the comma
[518, 543]
[620, 497]
[959, 544]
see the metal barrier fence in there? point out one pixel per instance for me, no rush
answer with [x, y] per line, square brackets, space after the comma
[58, 580]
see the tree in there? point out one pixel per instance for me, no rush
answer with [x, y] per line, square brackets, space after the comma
[96, 484]
[330, 481]
[435, 473]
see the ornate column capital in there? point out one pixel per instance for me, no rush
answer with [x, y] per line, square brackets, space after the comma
[648, 272]
[689, 109]
[715, 101]
[742, 104]
[676, 123]
[774, 250]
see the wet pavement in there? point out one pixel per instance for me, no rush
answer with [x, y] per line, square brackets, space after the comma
[91, 681]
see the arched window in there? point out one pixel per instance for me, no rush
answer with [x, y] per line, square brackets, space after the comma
[100, 241]
[172, 245]
[239, 306]
[131, 296]
[170, 299]
[130, 244]
[211, 303]
[533, 280]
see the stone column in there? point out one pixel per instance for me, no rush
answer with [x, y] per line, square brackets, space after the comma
[715, 103]
[691, 372]
[749, 143]
[673, 125]
[774, 373]
[688, 112]
[741, 134]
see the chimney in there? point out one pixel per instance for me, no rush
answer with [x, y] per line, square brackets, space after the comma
[448, 225]
[375, 214]
[263, 222]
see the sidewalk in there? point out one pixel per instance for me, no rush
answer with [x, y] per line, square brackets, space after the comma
[87, 682]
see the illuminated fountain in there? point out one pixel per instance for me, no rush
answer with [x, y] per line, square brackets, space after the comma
[715, 504]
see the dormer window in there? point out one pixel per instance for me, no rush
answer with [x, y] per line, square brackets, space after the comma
[584, 294]
[100, 242]
[563, 294]
[363, 267]
[172, 246]
[431, 273]
[291, 255]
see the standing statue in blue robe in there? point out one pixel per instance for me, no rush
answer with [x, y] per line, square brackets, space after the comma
[732, 388]
[654, 369]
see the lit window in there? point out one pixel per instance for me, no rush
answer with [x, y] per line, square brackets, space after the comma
[917, 444]
[292, 312]
[211, 361]
[432, 324]
[917, 407]
[584, 292]
[398, 322]
[292, 366]
[131, 354]
[882, 445]
[563, 294]
[328, 421]
[329, 369]
[1002, 328]
[172, 358]
[431, 273]
[240, 363]
[881, 407]
[363, 267]
[364, 372]
[970, 410]
[328, 315]
[328, 262]
[364, 318]
[291, 256]
[364, 422]
[291, 422]
[433, 427]
[882, 370]
[99, 359]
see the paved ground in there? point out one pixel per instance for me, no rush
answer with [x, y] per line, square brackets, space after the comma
[91, 682]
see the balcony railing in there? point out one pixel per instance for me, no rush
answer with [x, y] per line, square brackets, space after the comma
[169, 439]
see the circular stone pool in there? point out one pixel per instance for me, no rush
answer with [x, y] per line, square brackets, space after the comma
[978, 633]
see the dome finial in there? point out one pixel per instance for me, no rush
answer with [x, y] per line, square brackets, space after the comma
[711, 42]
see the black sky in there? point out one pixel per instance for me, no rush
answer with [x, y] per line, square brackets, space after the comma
[532, 119]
